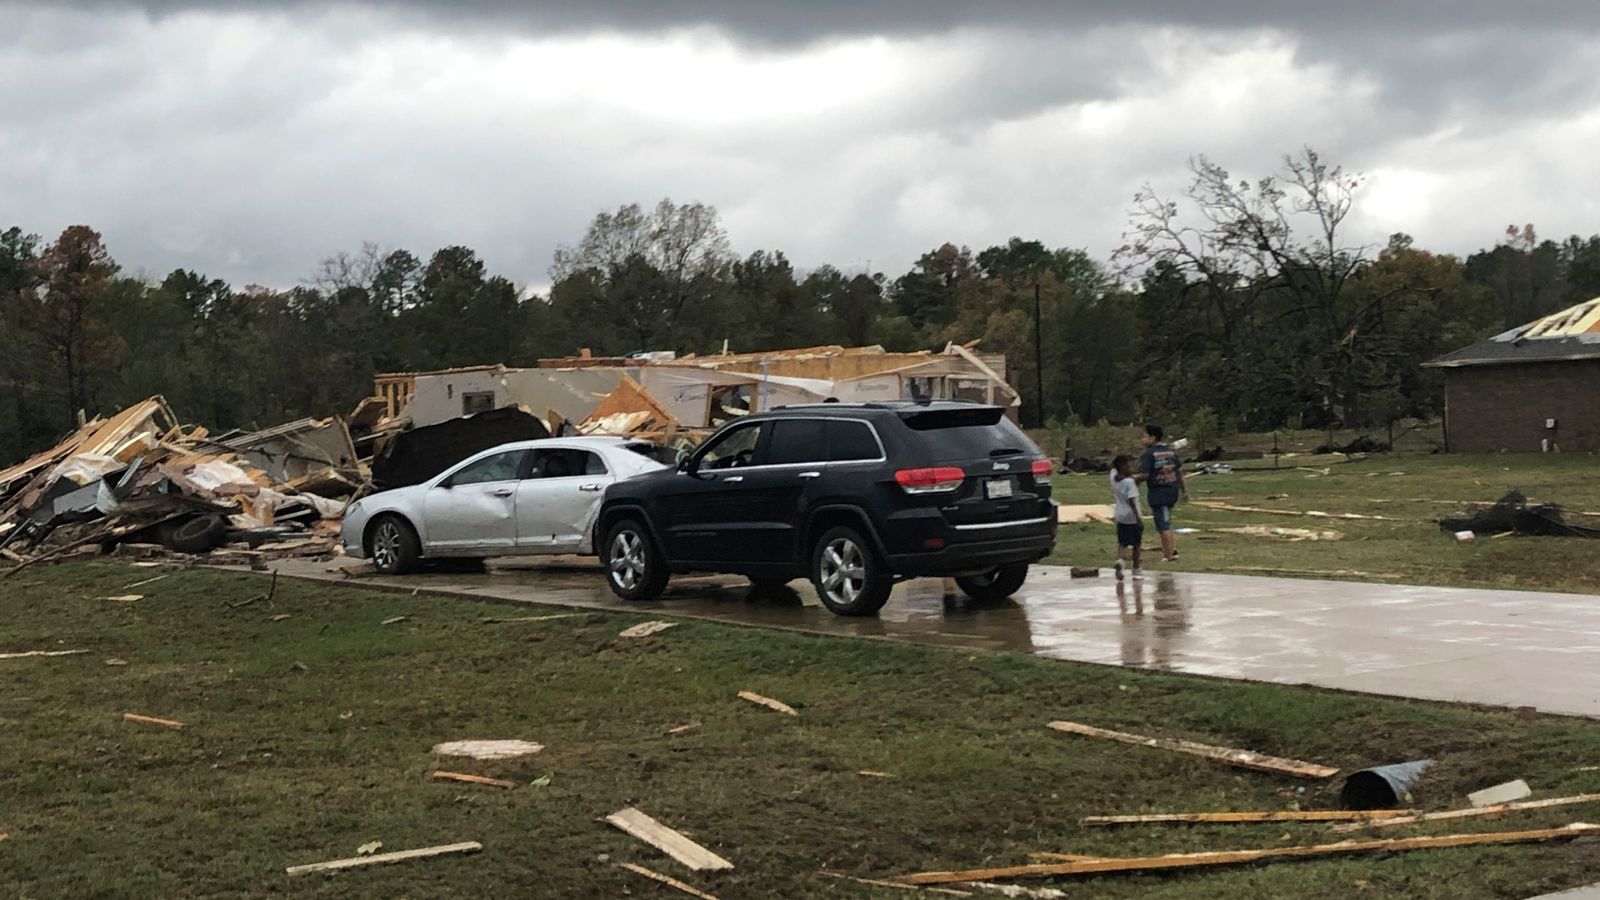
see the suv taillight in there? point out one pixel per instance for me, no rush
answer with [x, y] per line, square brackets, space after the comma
[1042, 468]
[939, 480]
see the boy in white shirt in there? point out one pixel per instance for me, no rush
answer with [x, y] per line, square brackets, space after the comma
[1125, 512]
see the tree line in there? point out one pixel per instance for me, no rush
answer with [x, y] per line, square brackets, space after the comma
[1241, 300]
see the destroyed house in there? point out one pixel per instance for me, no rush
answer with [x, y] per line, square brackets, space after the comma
[661, 395]
[1531, 389]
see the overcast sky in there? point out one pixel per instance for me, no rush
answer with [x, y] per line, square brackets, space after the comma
[250, 139]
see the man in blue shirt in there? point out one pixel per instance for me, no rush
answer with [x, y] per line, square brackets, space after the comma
[1162, 472]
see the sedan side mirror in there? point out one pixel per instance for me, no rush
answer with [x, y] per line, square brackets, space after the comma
[685, 463]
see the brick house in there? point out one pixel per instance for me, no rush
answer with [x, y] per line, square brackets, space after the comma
[1533, 388]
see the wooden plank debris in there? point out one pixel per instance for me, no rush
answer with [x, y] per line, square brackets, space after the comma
[667, 841]
[152, 720]
[393, 620]
[1500, 793]
[473, 779]
[1062, 857]
[869, 773]
[645, 629]
[1235, 857]
[381, 858]
[1473, 812]
[688, 726]
[1243, 758]
[1321, 815]
[669, 881]
[875, 882]
[768, 702]
[125, 598]
[28, 653]
[533, 618]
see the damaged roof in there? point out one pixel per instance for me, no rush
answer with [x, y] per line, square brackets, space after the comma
[1571, 334]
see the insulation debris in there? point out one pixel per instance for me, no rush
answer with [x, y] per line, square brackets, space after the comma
[645, 629]
[1284, 534]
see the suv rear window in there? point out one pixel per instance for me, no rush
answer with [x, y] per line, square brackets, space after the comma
[980, 433]
[796, 441]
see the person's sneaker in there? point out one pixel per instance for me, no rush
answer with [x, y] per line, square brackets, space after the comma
[1117, 567]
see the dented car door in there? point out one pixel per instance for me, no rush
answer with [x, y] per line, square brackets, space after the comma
[473, 510]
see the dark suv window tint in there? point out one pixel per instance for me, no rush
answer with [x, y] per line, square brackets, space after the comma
[956, 437]
[796, 441]
[735, 448]
[851, 440]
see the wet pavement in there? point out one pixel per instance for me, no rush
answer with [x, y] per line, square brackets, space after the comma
[1505, 648]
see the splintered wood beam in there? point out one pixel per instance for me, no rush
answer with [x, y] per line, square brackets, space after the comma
[1329, 815]
[667, 841]
[1243, 758]
[1235, 857]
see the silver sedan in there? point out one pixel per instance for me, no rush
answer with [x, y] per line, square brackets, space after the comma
[526, 498]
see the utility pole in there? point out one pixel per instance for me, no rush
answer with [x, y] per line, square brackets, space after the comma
[1038, 359]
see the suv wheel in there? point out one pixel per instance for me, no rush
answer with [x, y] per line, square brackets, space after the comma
[634, 569]
[848, 577]
[994, 585]
[394, 547]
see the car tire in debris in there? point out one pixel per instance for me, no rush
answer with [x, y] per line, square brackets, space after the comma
[392, 545]
[201, 534]
[994, 585]
[847, 574]
[634, 567]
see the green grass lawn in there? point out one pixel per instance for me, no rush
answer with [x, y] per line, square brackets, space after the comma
[1411, 491]
[309, 736]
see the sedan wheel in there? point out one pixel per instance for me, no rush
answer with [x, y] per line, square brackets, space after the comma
[393, 545]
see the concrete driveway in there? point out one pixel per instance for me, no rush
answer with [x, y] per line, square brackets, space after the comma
[1506, 648]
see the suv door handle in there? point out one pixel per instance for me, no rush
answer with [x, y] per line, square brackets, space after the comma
[589, 487]
[810, 474]
[503, 492]
[734, 478]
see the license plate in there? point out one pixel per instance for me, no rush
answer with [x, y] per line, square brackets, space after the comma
[997, 488]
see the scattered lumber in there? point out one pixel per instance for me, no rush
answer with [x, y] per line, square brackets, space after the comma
[533, 618]
[898, 886]
[28, 653]
[645, 629]
[1062, 857]
[393, 620]
[143, 583]
[1498, 809]
[152, 720]
[125, 598]
[869, 773]
[689, 889]
[1243, 758]
[1324, 815]
[381, 858]
[689, 726]
[478, 749]
[1235, 857]
[768, 702]
[1500, 793]
[473, 779]
[667, 841]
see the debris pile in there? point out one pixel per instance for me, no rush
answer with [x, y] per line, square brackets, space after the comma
[142, 477]
[1513, 514]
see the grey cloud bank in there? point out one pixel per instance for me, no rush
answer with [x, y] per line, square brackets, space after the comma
[248, 140]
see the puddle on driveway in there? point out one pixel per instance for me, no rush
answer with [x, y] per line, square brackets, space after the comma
[1510, 648]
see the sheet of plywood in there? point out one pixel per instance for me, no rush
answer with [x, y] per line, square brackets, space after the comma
[667, 841]
[1244, 758]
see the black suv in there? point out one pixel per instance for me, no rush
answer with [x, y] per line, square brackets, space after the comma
[852, 496]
